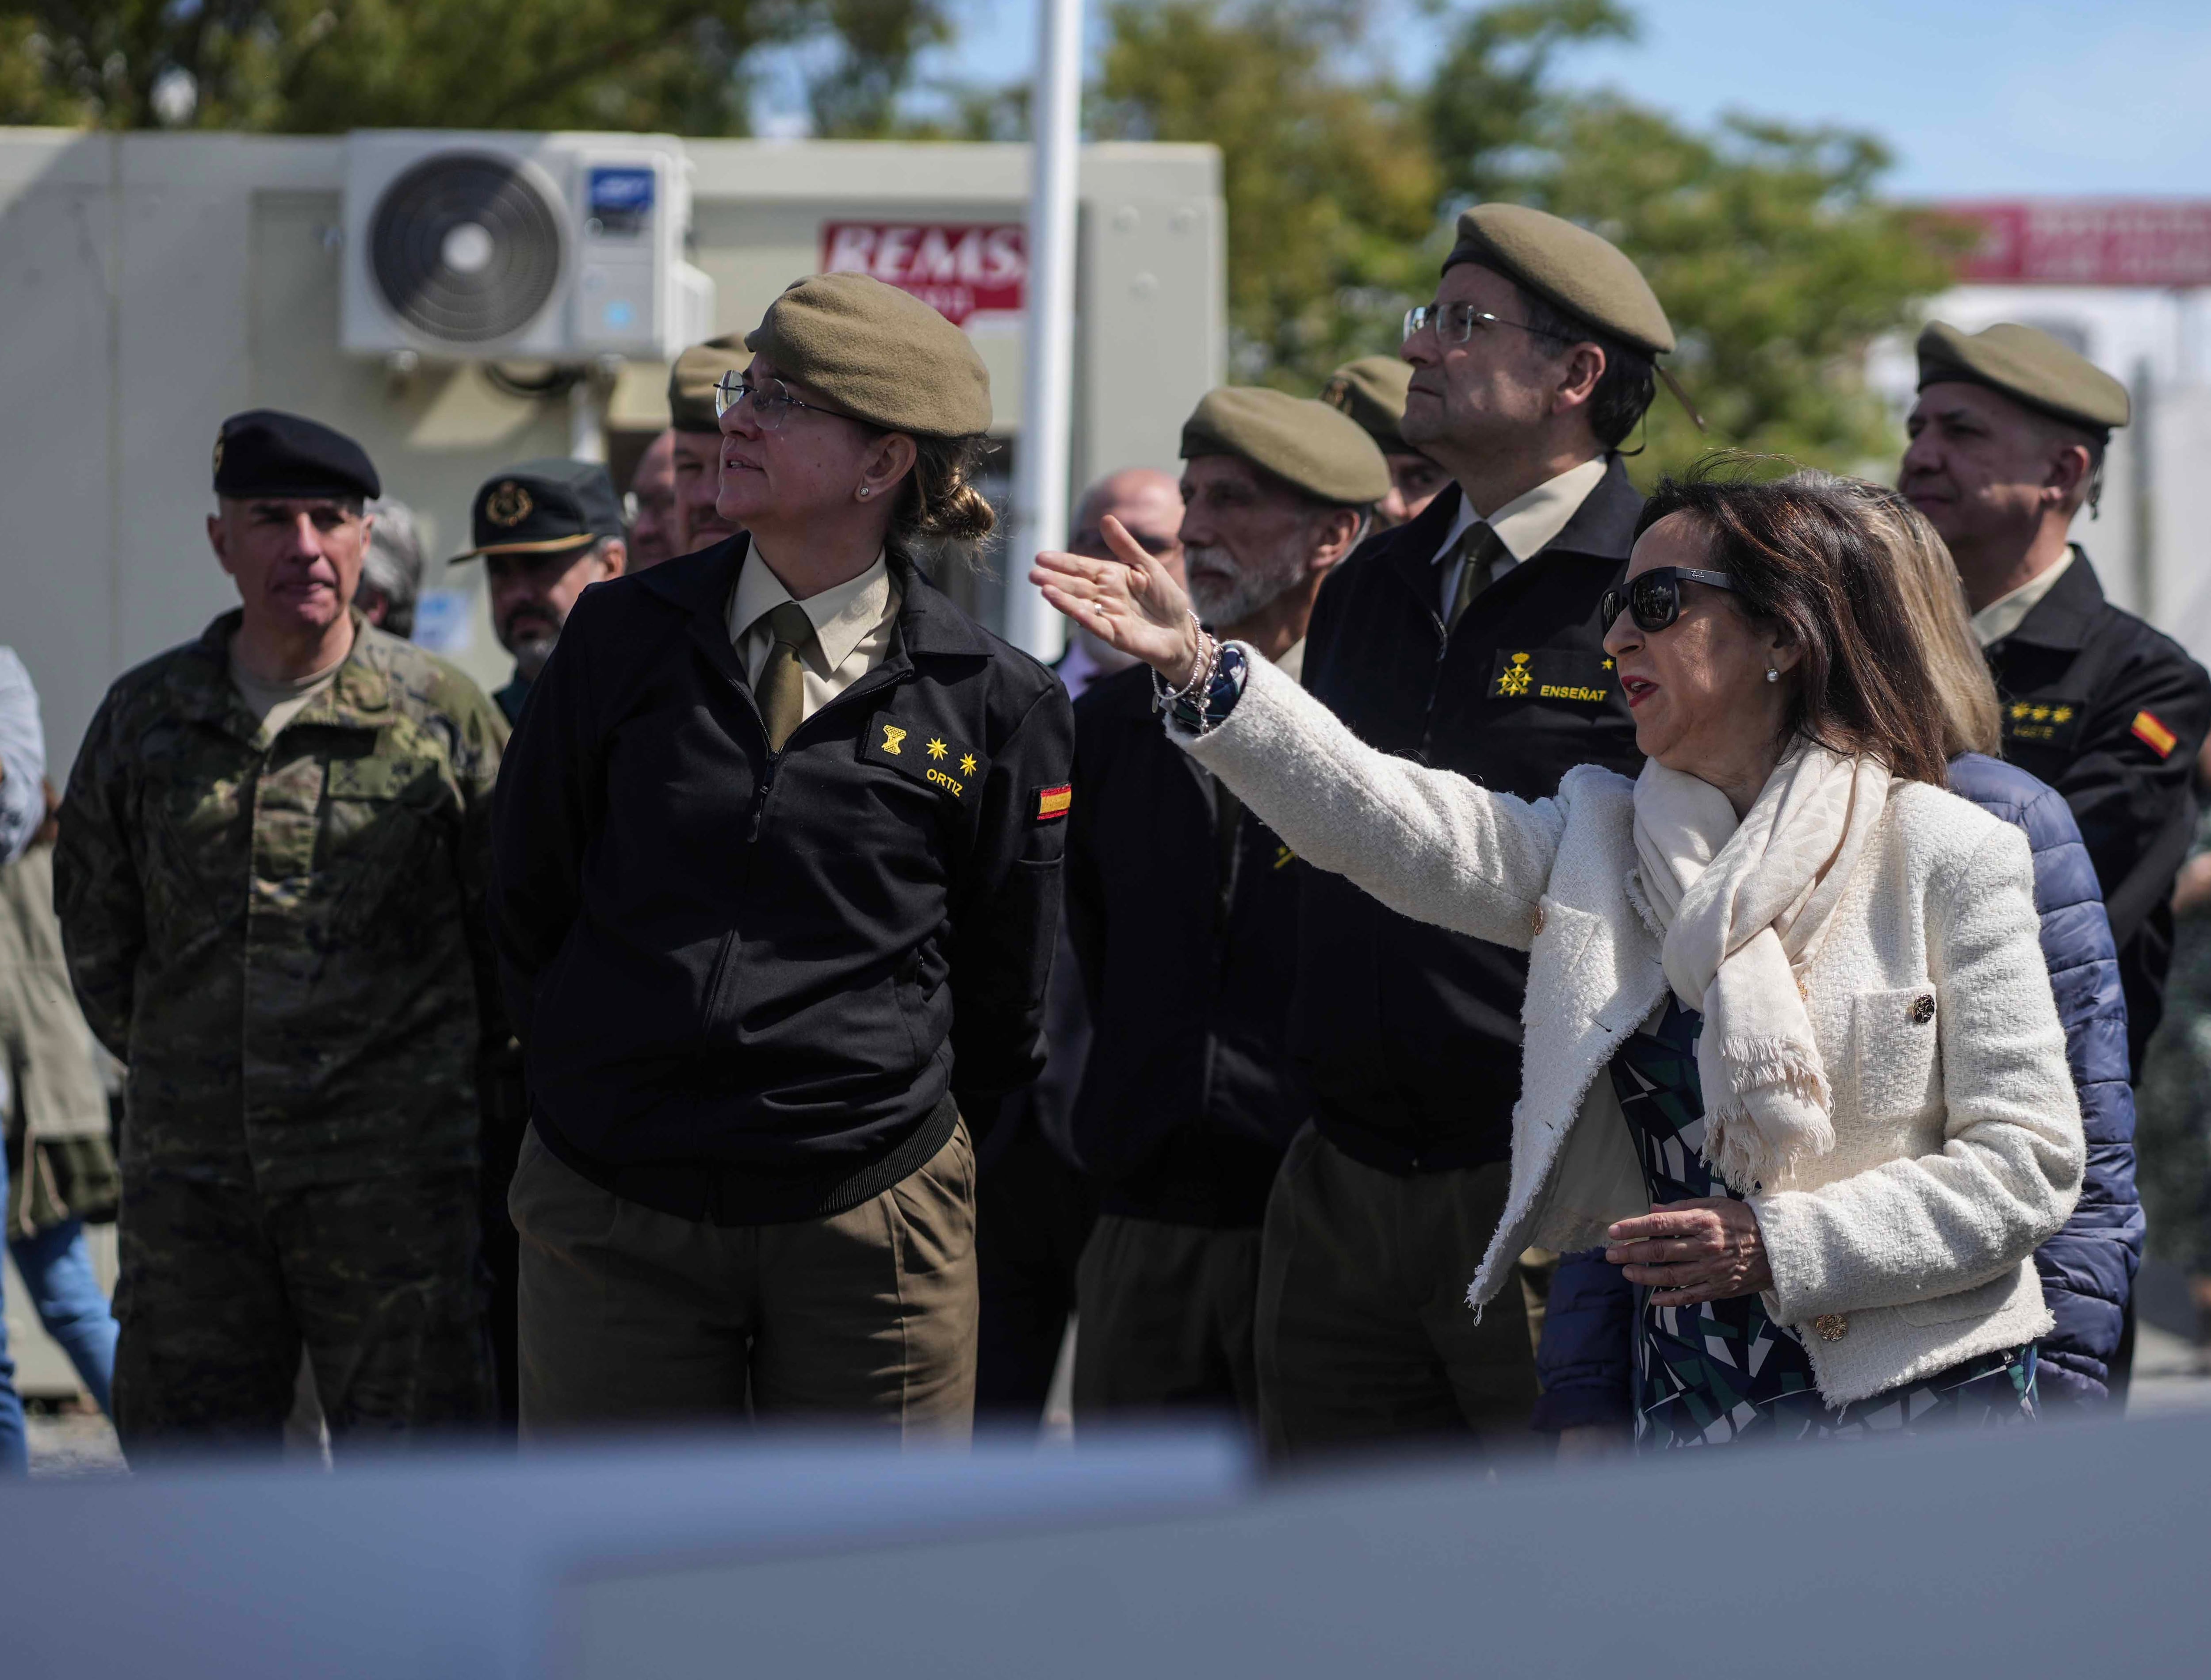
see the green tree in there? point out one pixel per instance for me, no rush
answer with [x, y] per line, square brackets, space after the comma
[1770, 246]
[1778, 262]
[324, 66]
[1329, 181]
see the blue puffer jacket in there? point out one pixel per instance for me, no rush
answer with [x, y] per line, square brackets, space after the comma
[2087, 1268]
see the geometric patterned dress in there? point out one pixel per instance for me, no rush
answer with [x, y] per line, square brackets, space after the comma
[1722, 1371]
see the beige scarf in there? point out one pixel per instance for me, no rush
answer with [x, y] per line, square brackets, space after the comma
[1744, 908]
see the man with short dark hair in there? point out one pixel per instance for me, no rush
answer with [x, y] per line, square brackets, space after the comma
[1468, 639]
[1190, 1096]
[546, 531]
[696, 443]
[1371, 391]
[2007, 441]
[271, 876]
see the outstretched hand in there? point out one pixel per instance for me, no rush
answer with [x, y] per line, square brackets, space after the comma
[1131, 601]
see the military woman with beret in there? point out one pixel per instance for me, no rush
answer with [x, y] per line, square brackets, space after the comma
[777, 854]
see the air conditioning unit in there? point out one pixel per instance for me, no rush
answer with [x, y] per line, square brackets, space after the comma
[483, 247]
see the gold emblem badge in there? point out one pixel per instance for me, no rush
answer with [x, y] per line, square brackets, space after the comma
[1334, 391]
[1514, 682]
[892, 736]
[509, 505]
[218, 451]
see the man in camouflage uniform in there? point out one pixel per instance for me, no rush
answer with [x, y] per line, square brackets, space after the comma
[270, 877]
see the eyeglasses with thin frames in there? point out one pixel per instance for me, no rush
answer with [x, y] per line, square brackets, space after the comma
[771, 400]
[1455, 323]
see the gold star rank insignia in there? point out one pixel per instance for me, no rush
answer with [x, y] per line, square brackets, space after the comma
[968, 765]
[937, 749]
[1605, 664]
[2063, 714]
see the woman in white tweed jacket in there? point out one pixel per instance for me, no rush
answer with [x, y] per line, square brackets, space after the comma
[1784, 968]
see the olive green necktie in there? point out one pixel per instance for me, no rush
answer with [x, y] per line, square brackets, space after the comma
[1479, 550]
[781, 688]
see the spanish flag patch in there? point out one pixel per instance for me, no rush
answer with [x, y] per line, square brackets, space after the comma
[1054, 803]
[2154, 735]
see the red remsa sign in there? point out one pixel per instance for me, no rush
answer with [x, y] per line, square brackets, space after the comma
[959, 268]
[2088, 241]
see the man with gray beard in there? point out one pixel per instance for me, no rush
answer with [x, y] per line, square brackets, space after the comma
[1183, 912]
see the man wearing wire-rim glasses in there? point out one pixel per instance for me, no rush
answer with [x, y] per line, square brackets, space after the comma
[1469, 639]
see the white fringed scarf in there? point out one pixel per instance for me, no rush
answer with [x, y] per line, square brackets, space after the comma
[1744, 908]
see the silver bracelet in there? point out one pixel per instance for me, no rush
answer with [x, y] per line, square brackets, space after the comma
[1201, 675]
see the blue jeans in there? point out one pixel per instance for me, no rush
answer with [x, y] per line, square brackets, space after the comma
[55, 1265]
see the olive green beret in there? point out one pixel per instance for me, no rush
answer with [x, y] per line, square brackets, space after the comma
[1371, 391]
[880, 355]
[691, 382]
[1313, 446]
[1569, 267]
[2029, 367]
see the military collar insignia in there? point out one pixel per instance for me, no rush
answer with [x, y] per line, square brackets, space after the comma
[1576, 675]
[928, 756]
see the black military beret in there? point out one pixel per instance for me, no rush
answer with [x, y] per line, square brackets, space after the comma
[540, 506]
[267, 452]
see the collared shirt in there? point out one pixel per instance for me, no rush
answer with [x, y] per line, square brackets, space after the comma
[2004, 615]
[274, 704]
[1523, 525]
[853, 623]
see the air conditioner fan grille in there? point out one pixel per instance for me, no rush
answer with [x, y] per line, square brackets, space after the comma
[484, 212]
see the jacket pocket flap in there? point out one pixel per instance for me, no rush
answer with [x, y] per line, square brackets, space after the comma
[1979, 1302]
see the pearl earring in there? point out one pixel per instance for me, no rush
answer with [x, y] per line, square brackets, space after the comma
[864, 492]
[1772, 675]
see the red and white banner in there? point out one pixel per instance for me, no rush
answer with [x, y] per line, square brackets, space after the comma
[959, 268]
[2087, 241]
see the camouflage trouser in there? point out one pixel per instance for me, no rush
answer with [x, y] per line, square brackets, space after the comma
[221, 1286]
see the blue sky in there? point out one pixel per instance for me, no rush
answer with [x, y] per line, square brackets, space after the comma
[1974, 96]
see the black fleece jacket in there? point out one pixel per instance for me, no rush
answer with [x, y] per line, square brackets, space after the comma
[750, 985]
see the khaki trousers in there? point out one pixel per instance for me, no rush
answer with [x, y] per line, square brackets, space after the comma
[630, 1316]
[1164, 1320]
[1364, 1337]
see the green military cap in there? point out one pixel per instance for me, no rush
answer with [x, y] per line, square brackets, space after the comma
[1371, 391]
[691, 382]
[880, 355]
[2029, 367]
[1321, 451]
[1569, 267]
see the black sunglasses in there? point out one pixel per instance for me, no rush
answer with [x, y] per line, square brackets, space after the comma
[1654, 597]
